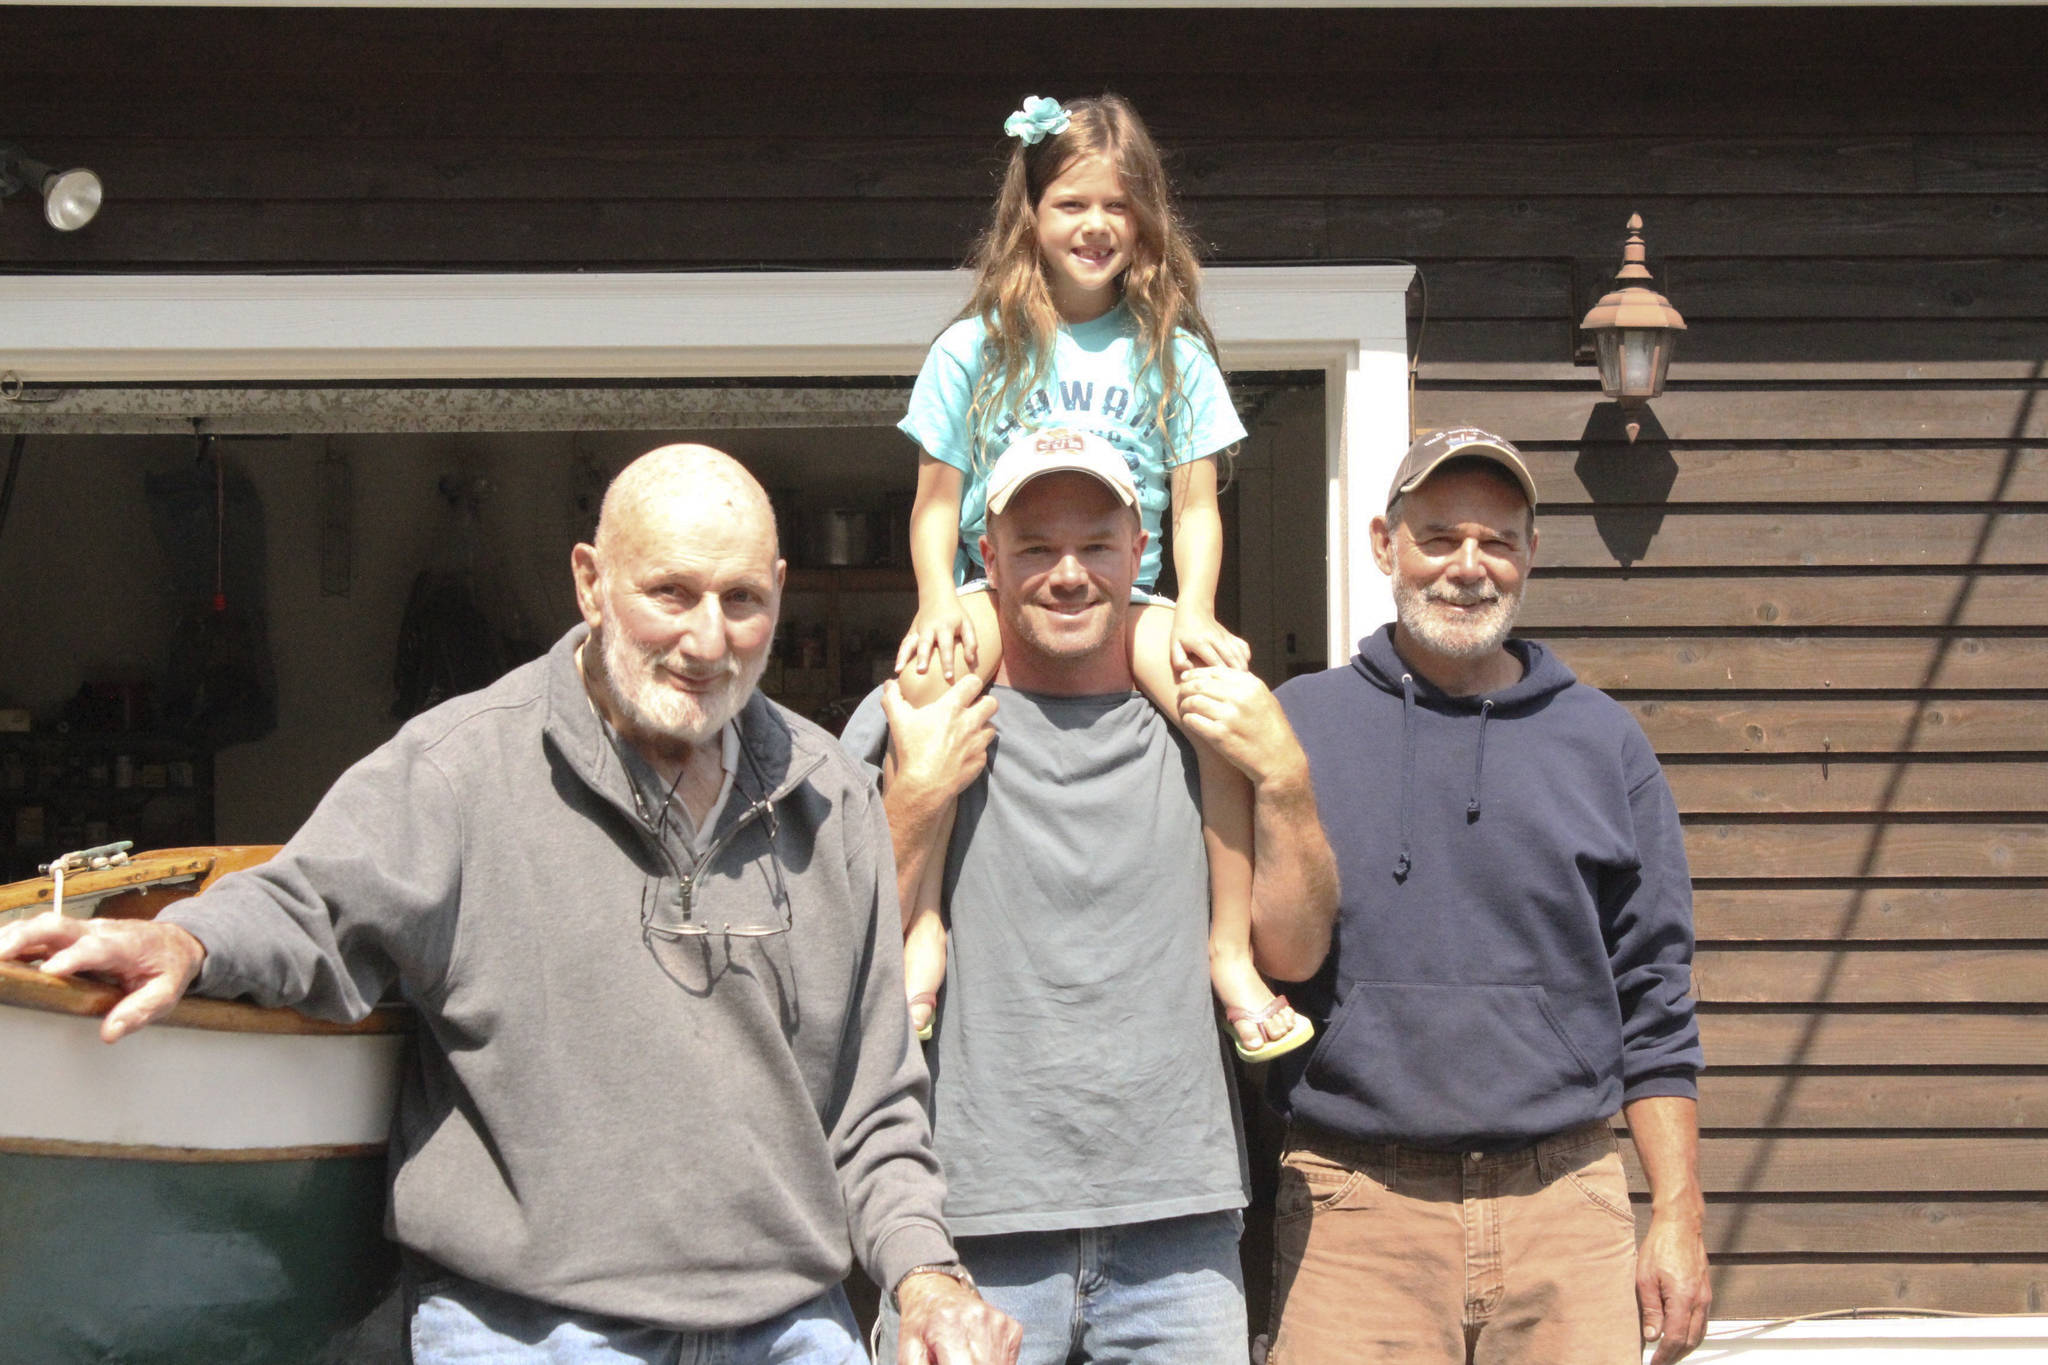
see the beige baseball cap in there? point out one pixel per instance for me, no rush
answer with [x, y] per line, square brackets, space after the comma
[1057, 450]
[1431, 451]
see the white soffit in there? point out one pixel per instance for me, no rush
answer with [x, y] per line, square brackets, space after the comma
[197, 329]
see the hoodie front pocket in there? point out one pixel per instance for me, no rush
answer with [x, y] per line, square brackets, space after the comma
[1444, 1064]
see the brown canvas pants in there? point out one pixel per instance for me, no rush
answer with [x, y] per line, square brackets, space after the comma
[1394, 1254]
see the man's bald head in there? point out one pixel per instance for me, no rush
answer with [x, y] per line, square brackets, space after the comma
[680, 591]
[667, 477]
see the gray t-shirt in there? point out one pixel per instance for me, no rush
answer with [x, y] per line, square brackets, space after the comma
[1078, 1077]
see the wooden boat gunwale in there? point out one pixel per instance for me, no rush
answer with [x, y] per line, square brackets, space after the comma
[180, 872]
[30, 989]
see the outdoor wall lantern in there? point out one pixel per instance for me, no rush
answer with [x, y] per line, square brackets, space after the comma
[1634, 329]
[70, 198]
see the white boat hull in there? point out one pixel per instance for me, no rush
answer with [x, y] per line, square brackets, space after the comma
[189, 1088]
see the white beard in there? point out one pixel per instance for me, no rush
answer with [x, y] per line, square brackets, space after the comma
[1465, 636]
[651, 709]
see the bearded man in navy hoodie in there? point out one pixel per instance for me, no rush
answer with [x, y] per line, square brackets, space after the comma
[1511, 968]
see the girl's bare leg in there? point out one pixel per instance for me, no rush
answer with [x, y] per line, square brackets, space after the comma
[1226, 834]
[924, 931]
[924, 954]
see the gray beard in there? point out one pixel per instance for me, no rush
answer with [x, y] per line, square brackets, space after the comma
[1469, 638]
[626, 673]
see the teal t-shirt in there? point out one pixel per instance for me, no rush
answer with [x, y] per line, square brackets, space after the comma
[1093, 385]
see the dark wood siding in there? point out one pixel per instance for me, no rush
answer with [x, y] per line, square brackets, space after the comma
[1832, 638]
[1820, 580]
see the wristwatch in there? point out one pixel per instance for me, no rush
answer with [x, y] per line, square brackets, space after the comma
[952, 1268]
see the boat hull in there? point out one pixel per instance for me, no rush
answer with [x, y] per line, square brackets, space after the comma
[169, 1088]
[210, 1191]
[161, 1262]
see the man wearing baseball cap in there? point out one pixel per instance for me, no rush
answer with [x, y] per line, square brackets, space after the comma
[1081, 1102]
[1511, 969]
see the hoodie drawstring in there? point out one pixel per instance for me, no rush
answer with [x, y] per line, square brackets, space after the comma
[1401, 864]
[1405, 861]
[1479, 763]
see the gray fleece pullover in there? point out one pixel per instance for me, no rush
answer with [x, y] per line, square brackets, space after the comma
[682, 1133]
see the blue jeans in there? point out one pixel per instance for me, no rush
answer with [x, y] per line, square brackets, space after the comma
[1169, 1292]
[460, 1322]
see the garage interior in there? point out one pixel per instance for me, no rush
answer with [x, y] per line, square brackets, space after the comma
[317, 513]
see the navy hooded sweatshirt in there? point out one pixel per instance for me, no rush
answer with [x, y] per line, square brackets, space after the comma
[1514, 941]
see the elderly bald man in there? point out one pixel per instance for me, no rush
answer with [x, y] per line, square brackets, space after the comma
[664, 1092]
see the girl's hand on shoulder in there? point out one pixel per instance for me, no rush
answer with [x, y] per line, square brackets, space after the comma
[939, 634]
[1200, 641]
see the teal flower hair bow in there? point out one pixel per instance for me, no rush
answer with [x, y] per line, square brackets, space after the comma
[1038, 117]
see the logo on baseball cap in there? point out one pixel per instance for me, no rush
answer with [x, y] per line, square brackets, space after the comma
[1058, 450]
[1426, 455]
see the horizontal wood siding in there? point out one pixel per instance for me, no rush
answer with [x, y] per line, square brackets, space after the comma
[1819, 580]
[1823, 600]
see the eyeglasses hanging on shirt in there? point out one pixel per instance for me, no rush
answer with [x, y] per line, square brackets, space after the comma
[675, 917]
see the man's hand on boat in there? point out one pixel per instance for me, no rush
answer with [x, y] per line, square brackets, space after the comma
[152, 962]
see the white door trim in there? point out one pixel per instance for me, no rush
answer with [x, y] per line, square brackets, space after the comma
[1350, 322]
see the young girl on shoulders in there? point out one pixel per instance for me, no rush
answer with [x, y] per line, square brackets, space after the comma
[1084, 315]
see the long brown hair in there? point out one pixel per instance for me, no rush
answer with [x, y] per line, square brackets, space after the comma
[1011, 295]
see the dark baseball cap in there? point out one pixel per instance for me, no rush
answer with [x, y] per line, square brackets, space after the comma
[1424, 457]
